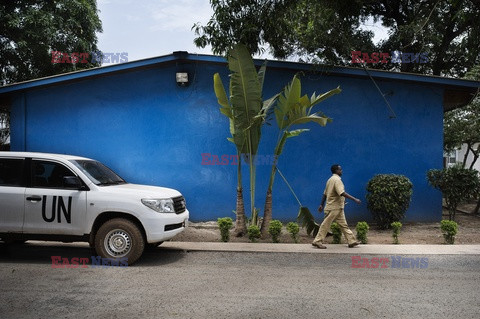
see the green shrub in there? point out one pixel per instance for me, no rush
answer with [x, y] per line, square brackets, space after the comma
[293, 229]
[456, 184]
[337, 233]
[396, 226]
[362, 230]
[225, 224]
[253, 233]
[388, 198]
[449, 230]
[275, 229]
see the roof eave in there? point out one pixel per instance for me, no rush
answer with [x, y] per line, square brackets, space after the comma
[457, 92]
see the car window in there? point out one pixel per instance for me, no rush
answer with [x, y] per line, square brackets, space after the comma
[11, 172]
[98, 173]
[47, 174]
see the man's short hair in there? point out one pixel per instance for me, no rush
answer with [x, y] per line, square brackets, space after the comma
[334, 168]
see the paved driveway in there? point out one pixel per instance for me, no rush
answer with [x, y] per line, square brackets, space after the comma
[170, 283]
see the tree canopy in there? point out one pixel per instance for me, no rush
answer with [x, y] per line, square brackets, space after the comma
[30, 30]
[447, 32]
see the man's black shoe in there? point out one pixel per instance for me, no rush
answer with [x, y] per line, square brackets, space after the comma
[354, 244]
[318, 245]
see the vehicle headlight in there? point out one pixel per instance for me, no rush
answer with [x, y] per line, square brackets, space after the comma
[159, 205]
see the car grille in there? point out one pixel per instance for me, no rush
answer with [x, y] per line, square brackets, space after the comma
[179, 204]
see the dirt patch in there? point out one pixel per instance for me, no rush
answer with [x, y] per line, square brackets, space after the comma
[411, 233]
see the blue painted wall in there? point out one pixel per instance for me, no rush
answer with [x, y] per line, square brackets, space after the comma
[151, 131]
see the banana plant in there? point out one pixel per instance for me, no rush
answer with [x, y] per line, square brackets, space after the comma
[246, 113]
[292, 109]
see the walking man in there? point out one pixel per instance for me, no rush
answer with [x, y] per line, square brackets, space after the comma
[335, 195]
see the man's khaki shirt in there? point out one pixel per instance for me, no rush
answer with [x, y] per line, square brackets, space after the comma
[333, 190]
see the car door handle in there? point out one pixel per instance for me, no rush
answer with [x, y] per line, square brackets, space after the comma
[34, 198]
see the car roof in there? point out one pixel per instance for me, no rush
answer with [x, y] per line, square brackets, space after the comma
[43, 155]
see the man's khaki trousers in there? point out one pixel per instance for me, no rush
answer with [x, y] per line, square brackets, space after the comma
[338, 216]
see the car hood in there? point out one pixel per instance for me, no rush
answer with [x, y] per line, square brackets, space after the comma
[143, 191]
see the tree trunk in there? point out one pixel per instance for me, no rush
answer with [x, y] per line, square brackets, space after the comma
[476, 154]
[464, 164]
[267, 214]
[452, 209]
[240, 224]
[477, 208]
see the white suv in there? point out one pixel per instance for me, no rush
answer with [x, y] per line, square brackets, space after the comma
[71, 198]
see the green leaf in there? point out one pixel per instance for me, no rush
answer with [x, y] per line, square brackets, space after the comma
[296, 132]
[221, 94]
[267, 105]
[285, 135]
[321, 120]
[324, 96]
[261, 73]
[245, 98]
[306, 220]
[287, 102]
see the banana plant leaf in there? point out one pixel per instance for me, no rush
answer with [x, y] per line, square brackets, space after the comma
[293, 109]
[307, 221]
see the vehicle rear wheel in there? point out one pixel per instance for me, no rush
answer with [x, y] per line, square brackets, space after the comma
[119, 239]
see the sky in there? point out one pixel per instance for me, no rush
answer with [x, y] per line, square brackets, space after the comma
[150, 28]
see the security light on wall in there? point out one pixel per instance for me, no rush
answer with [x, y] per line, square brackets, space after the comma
[182, 78]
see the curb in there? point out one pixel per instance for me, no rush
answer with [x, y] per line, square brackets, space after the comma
[331, 249]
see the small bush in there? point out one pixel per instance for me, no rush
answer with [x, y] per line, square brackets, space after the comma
[293, 229]
[337, 233]
[225, 224]
[396, 226]
[388, 198]
[253, 233]
[456, 184]
[362, 230]
[275, 229]
[449, 229]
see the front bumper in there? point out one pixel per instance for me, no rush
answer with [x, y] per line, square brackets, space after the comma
[161, 227]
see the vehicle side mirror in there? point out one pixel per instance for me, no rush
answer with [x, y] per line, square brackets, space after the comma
[72, 182]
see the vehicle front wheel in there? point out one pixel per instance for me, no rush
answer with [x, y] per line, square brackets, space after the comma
[119, 239]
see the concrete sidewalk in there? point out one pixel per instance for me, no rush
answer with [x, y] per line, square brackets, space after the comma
[331, 249]
[300, 248]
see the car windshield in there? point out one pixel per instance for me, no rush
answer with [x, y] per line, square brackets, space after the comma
[98, 173]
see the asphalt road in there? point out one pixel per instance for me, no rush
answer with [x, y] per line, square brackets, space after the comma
[181, 284]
